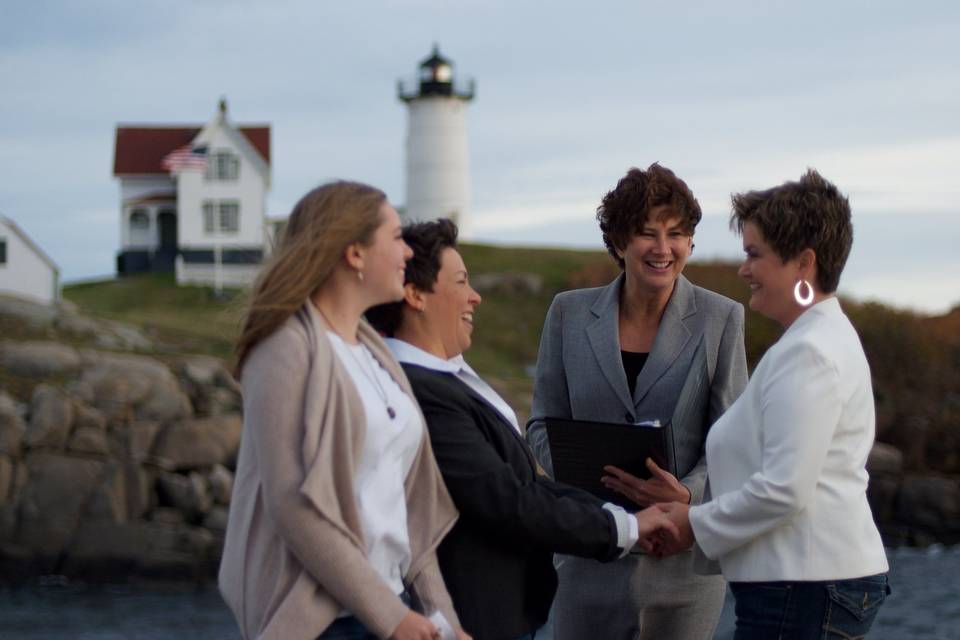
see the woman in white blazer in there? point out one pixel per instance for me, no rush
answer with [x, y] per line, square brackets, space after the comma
[789, 521]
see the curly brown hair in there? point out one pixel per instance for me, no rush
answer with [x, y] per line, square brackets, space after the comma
[624, 210]
[807, 214]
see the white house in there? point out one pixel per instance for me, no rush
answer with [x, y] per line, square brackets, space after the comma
[25, 270]
[193, 199]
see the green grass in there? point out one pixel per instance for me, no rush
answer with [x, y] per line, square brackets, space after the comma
[508, 323]
[507, 336]
[184, 319]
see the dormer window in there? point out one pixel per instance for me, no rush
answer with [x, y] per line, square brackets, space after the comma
[223, 165]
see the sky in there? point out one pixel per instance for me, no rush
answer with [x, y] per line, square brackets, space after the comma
[733, 95]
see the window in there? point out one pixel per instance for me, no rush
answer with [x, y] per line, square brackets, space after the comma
[139, 219]
[208, 220]
[3, 251]
[221, 217]
[229, 217]
[223, 165]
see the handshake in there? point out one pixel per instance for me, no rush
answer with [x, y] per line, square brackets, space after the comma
[664, 523]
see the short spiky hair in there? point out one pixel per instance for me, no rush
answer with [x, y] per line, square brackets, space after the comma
[625, 209]
[808, 214]
[428, 240]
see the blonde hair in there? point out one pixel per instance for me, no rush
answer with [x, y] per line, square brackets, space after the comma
[321, 226]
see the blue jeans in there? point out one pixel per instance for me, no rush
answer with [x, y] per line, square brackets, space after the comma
[346, 628]
[349, 628]
[835, 609]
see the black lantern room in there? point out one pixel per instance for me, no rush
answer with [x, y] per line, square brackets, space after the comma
[435, 78]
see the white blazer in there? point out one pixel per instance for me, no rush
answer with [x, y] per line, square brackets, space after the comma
[787, 462]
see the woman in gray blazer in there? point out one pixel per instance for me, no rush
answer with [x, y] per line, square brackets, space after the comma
[622, 353]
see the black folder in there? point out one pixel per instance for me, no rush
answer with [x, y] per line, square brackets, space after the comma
[580, 449]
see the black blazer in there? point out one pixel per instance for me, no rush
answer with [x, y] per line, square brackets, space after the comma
[497, 560]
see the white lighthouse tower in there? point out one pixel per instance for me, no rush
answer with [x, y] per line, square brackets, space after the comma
[438, 170]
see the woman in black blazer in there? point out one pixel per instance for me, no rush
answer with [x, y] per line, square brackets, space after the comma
[497, 560]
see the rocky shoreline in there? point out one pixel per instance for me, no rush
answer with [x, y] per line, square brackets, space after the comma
[113, 466]
[116, 463]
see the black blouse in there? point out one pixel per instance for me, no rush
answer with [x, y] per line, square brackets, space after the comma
[632, 365]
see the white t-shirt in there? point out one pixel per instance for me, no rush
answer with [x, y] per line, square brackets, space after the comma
[389, 447]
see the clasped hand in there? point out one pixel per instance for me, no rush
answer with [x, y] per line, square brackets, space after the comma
[665, 526]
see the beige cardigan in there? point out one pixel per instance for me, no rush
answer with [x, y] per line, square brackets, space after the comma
[294, 554]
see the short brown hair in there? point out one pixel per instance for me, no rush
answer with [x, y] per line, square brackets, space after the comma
[428, 241]
[808, 214]
[624, 210]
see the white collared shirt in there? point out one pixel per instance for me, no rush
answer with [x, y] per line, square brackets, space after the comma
[628, 531]
[406, 352]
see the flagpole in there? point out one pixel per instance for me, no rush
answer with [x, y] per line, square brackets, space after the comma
[217, 275]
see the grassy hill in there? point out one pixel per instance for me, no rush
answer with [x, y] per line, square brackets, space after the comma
[915, 360]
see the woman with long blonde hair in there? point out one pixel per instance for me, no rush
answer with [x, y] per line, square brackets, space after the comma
[338, 506]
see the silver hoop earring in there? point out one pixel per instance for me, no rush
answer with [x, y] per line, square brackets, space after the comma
[360, 275]
[803, 301]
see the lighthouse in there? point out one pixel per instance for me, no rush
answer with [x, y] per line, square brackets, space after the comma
[438, 170]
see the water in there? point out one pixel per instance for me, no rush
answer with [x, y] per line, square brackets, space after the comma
[925, 605]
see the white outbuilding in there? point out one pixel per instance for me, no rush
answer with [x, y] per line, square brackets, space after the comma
[438, 168]
[193, 199]
[25, 270]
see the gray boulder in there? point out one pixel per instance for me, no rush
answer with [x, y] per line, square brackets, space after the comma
[53, 500]
[186, 493]
[154, 547]
[508, 282]
[192, 444]
[216, 520]
[138, 489]
[87, 440]
[7, 472]
[930, 502]
[12, 427]
[33, 313]
[8, 523]
[124, 337]
[885, 459]
[108, 500]
[77, 326]
[89, 431]
[38, 359]
[202, 371]
[882, 493]
[220, 481]
[51, 418]
[124, 386]
[211, 387]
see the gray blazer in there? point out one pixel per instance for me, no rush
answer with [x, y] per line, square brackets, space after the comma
[580, 373]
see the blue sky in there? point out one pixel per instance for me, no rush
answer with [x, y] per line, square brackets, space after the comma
[732, 96]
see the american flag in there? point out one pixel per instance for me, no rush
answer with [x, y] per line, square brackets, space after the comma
[185, 158]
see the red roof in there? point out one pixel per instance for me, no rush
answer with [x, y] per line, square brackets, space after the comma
[140, 150]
